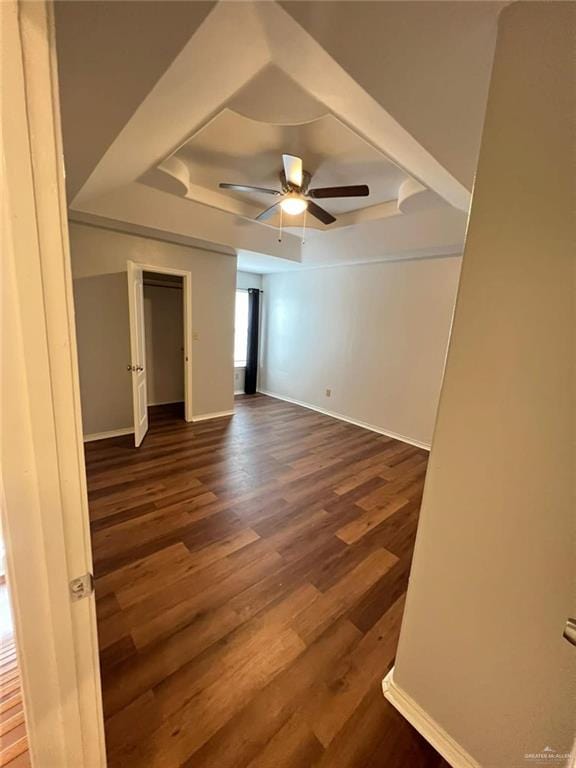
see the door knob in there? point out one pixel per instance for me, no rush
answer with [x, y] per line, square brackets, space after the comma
[139, 367]
[570, 631]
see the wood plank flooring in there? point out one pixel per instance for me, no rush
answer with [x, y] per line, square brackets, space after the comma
[250, 581]
[13, 740]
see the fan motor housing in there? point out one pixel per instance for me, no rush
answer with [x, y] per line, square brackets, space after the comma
[287, 186]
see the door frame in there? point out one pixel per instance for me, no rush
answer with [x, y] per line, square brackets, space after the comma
[186, 276]
[43, 496]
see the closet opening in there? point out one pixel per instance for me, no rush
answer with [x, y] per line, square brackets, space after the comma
[164, 344]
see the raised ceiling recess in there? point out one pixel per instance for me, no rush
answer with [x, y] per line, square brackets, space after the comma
[230, 118]
[241, 150]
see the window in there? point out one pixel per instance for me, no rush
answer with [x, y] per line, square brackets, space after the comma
[241, 329]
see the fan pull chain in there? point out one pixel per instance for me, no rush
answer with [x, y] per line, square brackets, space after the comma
[304, 227]
[280, 228]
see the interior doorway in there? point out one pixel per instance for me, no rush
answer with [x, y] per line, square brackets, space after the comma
[160, 341]
[164, 341]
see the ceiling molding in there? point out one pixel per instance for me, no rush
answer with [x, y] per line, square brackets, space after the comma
[101, 222]
[326, 144]
[269, 36]
[139, 181]
[261, 264]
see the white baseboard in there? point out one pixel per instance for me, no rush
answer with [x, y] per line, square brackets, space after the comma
[110, 433]
[442, 742]
[356, 422]
[130, 430]
[215, 415]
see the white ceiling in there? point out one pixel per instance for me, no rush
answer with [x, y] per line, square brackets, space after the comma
[192, 119]
[333, 154]
[260, 264]
[428, 63]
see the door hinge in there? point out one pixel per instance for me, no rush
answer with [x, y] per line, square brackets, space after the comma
[81, 587]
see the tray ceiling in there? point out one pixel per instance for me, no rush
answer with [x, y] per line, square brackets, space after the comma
[235, 148]
[229, 118]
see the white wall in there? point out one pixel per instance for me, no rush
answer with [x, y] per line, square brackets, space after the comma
[245, 280]
[375, 334]
[239, 377]
[494, 575]
[164, 331]
[99, 258]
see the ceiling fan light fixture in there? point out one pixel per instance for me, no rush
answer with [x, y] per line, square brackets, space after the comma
[294, 205]
[296, 195]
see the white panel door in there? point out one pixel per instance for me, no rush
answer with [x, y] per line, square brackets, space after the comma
[137, 351]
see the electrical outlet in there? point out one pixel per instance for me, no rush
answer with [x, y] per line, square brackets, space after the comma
[328, 392]
[195, 336]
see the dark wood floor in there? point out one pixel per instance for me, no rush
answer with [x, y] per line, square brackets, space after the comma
[250, 580]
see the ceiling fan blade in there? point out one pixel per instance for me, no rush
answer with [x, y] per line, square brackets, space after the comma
[293, 169]
[267, 213]
[320, 213]
[353, 190]
[247, 188]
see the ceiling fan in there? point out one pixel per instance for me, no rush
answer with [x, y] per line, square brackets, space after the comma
[296, 196]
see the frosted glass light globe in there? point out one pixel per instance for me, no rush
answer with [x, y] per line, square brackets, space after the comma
[294, 205]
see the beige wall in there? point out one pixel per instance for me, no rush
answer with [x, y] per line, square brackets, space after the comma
[375, 334]
[164, 331]
[103, 339]
[99, 260]
[494, 574]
